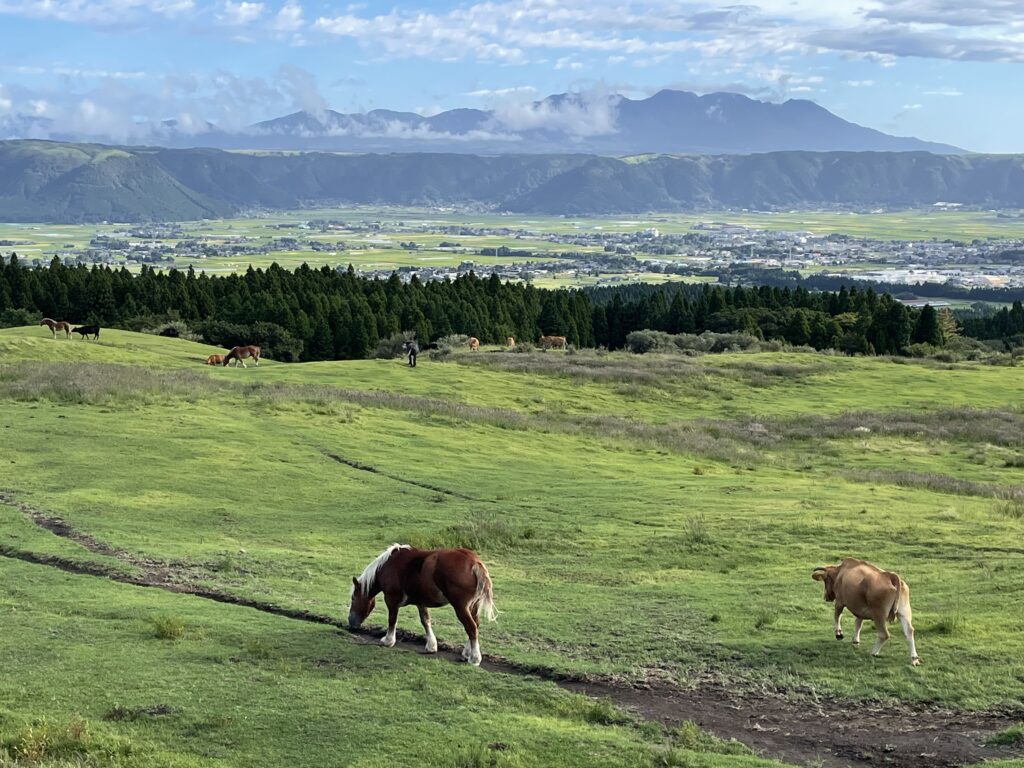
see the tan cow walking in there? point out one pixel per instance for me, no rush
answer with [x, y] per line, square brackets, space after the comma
[869, 593]
[552, 342]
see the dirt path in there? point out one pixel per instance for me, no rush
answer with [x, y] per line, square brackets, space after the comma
[827, 733]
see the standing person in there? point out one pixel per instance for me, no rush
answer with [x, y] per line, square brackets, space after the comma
[412, 348]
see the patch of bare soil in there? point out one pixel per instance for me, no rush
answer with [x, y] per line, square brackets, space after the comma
[827, 733]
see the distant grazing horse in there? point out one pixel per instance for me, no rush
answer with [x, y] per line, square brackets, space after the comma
[551, 342]
[474, 343]
[426, 578]
[85, 331]
[57, 325]
[510, 342]
[411, 349]
[241, 354]
[215, 360]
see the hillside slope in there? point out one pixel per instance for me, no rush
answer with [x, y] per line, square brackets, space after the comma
[45, 181]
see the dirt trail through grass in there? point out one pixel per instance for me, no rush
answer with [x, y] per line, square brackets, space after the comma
[825, 732]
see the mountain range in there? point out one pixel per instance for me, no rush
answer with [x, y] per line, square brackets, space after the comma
[670, 121]
[61, 182]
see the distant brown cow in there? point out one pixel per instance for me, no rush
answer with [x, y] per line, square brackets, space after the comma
[510, 342]
[551, 342]
[869, 593]
[215, 360]
[474, 343]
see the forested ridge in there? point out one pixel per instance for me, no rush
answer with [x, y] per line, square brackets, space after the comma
[323, 314]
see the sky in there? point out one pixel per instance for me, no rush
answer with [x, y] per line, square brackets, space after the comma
[942, 70]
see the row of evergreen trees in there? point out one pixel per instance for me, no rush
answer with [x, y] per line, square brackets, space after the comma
[322, 314]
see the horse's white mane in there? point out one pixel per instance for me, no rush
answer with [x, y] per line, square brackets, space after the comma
[369, 574]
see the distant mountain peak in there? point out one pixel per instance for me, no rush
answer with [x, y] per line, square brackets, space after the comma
[669, 121]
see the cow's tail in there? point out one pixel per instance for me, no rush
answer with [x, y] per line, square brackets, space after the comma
[483, 598]
[901, 605]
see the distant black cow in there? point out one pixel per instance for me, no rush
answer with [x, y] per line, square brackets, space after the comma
[85, 331]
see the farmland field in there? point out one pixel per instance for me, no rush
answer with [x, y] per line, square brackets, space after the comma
[379, 249]
[647, 521]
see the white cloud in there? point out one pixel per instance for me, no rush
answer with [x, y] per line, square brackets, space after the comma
[240, 14]
[860, 83]
[944, 92]
[289, 18]
[490, 92]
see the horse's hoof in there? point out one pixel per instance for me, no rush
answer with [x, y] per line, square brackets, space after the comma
[915, 662]
[431, 648]
[387, 642]
[856, 642]
[475, 661]
[839, 635]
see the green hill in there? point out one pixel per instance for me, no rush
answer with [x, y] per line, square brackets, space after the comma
[645, 519]
[49, 181]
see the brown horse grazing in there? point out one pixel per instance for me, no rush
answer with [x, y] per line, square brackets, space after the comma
[241, 354]
[550, 342]
[215, 360]
[474, 343]
[426, 578]
[57, 325]
[510, 342]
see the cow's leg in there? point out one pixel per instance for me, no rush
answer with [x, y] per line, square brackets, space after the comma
[883, 634]
[471, 652]
[393, 605]
[425, 621]
[838, 626]
[857, 624]
[908, 632]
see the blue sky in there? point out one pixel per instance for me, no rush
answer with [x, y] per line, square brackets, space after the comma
[937, 69]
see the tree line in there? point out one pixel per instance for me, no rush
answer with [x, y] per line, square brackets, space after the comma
[323, 314]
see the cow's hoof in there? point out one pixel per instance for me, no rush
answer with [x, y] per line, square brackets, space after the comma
[915, 662]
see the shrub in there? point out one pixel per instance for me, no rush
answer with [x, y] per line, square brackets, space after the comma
[391, 347]
[695, 532]
[168, 627]
[15, 318]
[176, 329]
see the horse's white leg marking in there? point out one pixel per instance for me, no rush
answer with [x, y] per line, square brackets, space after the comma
[474, 653]
[856, 630]
[466, 649]
[389, 638]
[431, 646]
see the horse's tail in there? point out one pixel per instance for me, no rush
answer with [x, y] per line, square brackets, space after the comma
[483, 598]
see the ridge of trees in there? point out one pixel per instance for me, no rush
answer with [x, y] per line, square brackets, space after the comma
[324, 314]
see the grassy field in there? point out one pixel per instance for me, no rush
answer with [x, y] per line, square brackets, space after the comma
[645, 519]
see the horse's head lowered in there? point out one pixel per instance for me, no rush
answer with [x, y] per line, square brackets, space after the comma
[361, 605]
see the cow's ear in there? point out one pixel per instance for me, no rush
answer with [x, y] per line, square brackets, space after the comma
[818, 574]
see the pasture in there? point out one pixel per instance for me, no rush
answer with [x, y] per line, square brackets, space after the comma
[647, 521]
